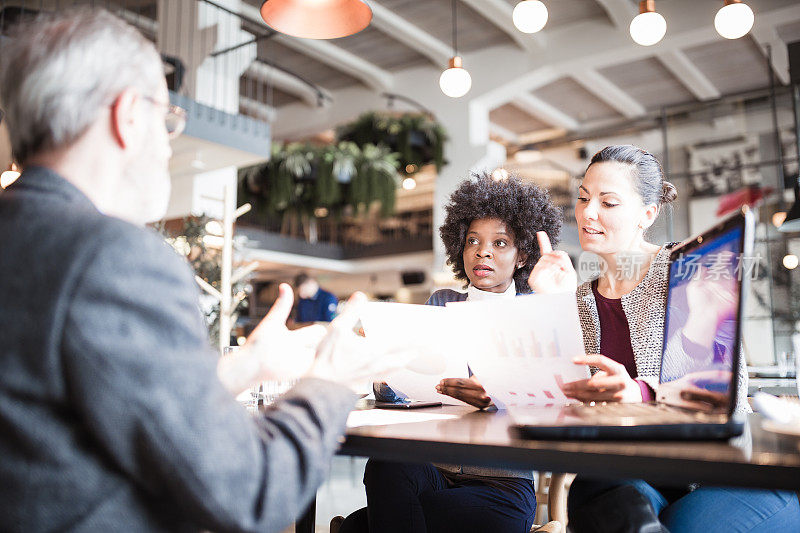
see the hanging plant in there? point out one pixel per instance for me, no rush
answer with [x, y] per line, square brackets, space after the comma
[415, 136]
[376, 179]
[301, 179]
[337, 165]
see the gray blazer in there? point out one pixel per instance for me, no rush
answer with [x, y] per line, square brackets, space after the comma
[111, 414]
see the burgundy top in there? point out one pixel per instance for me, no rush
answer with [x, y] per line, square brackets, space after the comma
[615, 337]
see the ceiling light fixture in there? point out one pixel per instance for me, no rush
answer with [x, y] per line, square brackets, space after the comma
[648, 27]
[455, 82]
[9, 176]
[214, 227]
[409, 184]
[529, 16]
[500, 174]
[734, 19]
[792, 220]
[316, 19]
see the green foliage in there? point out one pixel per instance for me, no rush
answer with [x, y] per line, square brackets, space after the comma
[362, 168]
[376, 179]
[415, 136]
[190, 242]
[301, 178]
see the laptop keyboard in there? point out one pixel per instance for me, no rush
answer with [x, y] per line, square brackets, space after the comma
[613, 413]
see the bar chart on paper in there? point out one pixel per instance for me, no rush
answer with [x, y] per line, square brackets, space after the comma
[522, 349]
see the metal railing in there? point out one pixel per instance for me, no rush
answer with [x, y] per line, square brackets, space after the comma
[352, 233]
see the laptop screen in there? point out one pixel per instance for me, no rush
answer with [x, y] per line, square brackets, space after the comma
[701, 322]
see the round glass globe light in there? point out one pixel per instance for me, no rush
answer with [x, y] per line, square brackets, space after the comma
[455, 82]
[529, 16]
[500, 174]
[791, 261]
[648, 28]
[409, 184]
[734, 20]
[8, 177]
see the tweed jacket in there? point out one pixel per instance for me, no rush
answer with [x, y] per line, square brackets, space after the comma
[111, 414]
[645, 309]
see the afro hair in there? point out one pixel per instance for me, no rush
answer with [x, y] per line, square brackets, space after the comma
[524, 208]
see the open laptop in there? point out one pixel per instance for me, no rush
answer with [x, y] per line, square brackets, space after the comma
[708, 278]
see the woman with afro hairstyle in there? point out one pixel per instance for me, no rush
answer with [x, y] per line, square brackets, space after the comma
[489, 234]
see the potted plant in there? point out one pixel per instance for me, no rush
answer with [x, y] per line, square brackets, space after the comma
[415, 136]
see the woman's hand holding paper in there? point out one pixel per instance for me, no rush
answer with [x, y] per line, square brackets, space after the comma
[467, 390]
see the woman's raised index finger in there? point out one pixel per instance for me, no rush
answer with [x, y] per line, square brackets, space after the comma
[544, 242]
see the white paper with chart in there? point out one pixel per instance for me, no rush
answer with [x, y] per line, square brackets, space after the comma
[521, 349]
[426, 330]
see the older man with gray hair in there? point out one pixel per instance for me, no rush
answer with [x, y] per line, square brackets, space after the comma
[115, 412]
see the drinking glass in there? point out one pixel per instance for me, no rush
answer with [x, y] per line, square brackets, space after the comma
[276, 388]
[796, 345]
[782, 361]
[252, 400]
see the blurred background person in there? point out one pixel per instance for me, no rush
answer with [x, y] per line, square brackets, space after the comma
[314, 303]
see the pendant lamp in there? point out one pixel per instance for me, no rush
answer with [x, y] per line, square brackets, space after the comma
[734, 19]
[316, 19]
[455, 82]
[648, 27]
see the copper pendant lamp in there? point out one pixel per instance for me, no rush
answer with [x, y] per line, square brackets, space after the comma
[317, 19]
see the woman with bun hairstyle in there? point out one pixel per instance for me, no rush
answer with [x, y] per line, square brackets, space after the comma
[622, 317]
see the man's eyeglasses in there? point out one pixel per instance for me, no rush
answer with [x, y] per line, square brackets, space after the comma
[175, 118]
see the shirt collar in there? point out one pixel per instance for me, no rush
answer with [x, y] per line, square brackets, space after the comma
[475, 294]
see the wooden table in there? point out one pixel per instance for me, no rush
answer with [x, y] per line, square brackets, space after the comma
[756, 459]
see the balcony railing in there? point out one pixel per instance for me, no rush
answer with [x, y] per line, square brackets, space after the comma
[209, 52]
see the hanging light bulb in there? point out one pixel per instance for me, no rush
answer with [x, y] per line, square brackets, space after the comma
[316, 19]
[529, 16]
[9, 176]
[778, 218]
[214, 227]
[734, 19]
[648, 27]
[500, 174]
[455, 82]
[409, 184]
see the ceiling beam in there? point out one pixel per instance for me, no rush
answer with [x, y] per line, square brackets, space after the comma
[602, 88]
[622, 12]
[286, 82]
[257, 109]
[504, 133]
[545, 112]
[499, 13]
[766, 35]
[403, 31]
[689, 75]
[330, 54]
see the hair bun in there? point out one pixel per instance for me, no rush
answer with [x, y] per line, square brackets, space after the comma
[668, 192]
